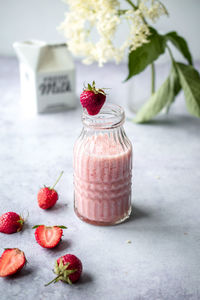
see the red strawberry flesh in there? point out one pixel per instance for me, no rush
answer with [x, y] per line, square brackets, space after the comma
[48, 237]
[11, 261]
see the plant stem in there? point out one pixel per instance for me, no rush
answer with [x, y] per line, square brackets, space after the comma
[170, 54]
[122, 11]
[172, 58]
[57, 180]
[131, 3]
[152, 78]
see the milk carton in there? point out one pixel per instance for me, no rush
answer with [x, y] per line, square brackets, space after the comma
[47, 76]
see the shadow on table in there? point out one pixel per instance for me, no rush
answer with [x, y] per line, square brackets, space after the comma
[22, 273]
[182, 121]
[85, 278]
[57, 207]
[138, 213]
[63, 245]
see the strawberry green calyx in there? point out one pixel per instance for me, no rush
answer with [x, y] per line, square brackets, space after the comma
[62, 273]
[36, 226]
[21, 223]
[22, 220]
[92, 99]
[92, 88]
[60, 226]
[11, 222]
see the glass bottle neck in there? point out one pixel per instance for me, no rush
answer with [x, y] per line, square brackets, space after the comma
[111, 116]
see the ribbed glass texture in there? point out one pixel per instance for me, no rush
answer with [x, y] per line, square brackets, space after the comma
[103, 168]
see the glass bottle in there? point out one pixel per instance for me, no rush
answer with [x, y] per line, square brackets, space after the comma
[103, 168]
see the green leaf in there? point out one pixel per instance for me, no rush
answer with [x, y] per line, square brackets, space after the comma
[175, 82]
[163, 97]
[180, 43]
[140, 58]
[190, 82]
[175, 86]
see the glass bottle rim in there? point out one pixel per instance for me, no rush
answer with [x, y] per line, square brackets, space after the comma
[109, 117]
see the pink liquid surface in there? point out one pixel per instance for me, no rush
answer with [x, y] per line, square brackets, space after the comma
[102, 179]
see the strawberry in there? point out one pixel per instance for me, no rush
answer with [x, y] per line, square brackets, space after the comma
[11, 222]
[92, 99]
[47, 196]
[48, 236]
[11, 261]
[68, 268]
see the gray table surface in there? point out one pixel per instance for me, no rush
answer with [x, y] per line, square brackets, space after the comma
[163, 259]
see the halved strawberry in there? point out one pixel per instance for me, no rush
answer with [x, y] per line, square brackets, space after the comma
[11, 261]
[48, 236]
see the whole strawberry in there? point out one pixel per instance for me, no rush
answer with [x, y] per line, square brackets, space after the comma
[48, 236]
[68, 268]
[11, 261]
[92, 99]
[11, 222]
[47, 196]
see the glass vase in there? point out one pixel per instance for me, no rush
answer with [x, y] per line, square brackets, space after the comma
[143, 85]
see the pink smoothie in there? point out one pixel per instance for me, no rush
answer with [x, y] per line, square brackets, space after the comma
[102, 178]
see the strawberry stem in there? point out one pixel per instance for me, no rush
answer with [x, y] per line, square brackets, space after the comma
[57, 180]
[53, 280]
[26, 212]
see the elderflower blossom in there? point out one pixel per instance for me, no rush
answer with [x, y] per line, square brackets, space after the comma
[139, 31]
[153, 11]
[91, 26]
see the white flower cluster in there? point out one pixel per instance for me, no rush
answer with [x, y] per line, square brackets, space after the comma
[90, 27]
[138, 30]
[154, 10]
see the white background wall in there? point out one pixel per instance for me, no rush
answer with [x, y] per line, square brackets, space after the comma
[38, 19]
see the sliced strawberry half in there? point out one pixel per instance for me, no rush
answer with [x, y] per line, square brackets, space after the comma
[48, 236]
[11, 261]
